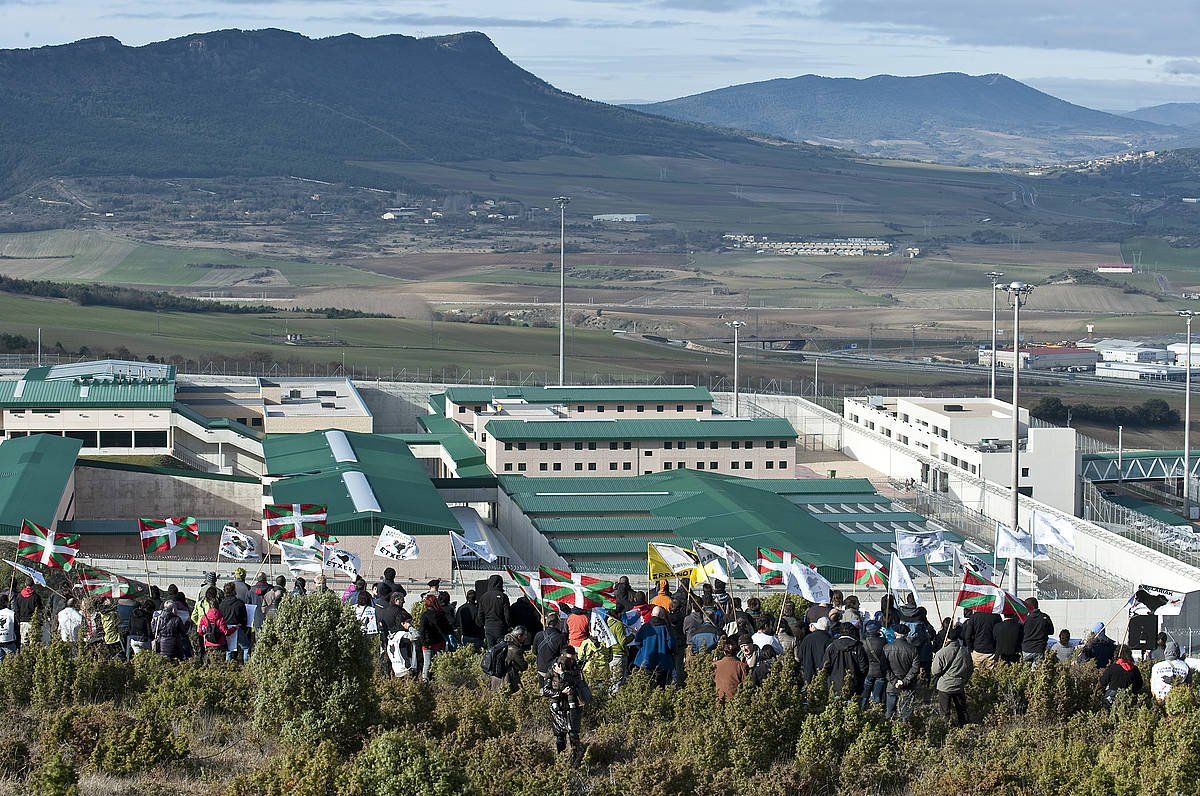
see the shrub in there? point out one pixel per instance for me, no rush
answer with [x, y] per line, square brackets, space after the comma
[126, 749]
[402, 762]
[54, 777]
[313, 670]
[298, 771]
[53, 676]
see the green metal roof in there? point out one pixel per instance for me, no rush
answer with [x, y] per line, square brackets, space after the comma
[566, 395]
[99, 394]
[34, 472]
[386, 473]
[468, 458]
[815, 487]
[437, 403]
[1113, 455]
[313, 452]
[689, 429]
[217, 423]
[559, 526]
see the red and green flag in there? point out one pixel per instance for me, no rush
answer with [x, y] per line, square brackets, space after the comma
[579, 591]
[48, 548]
[980, 594]
[100, 584]
[294, 520]
[772, 564]
[525, 584]
[868, 571]
[161, 535]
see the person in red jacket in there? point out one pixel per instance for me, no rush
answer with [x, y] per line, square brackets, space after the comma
[214, 632]
[579, 627]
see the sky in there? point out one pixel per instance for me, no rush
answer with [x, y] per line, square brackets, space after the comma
[1107, 54]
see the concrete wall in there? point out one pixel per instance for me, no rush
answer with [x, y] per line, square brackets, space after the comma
[396, 407]
[814, 428]
[118, 494]
[526, 542]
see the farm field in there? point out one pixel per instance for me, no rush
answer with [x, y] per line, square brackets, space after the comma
[94, 256]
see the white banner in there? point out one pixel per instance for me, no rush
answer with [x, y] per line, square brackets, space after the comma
[38, 577]
[396, 545]
[1050, 529]
[918, 544]
[1017, 545]
[900, 583]
[1174, 599]
[366, 617]
[738, 561]
[799, 578]
[712, 565]
[464, 548]
[300, 559]
[237, 545]
[600, 630]
[339, 560]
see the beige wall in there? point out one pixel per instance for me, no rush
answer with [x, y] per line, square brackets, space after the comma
[118, 494]
[612, 409]
[644, 456]
[301, 424]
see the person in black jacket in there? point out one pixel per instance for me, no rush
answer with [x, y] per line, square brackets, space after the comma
[876, 679]
[548, 645]
[391, 618]
[845, 662]
[435, 632]
[525, 614]
[1037, 633]
[234, 612]
[977, 637]
[494, 614]
[387, 584]
[1007, 635]
[469, 632]
[25, 604]
[810, 652]
[1120, 675]
[623, 594]
[904, 668]
[139, 627]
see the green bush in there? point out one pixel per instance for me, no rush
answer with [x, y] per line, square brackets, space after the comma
[53, 676]
[297, 771]
[125, 749]
[402, 762]
[54, 777]
[313, 671]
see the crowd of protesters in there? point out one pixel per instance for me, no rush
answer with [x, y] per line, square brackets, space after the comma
[892, 657]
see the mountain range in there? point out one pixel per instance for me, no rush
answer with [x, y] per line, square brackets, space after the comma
[1182, 114]
[950, 117]
[275, 102]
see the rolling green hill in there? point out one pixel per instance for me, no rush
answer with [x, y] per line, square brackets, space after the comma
[949, 117]
[271, 102]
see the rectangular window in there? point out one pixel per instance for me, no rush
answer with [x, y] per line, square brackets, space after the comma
[592, 466]
[600, 407]
[626, 466]
[681, 465]
[749, 444]
[641, 408]
[543, 446]
[648, 452]
[748, 465]
[699, 407]
[557, 467]
[679, 408]
[667, 445]
[612, 465]
[681, 444]
[612, 446]
[712, 465]
[578, 466]
[579, 408]
[578, 446]
[521, 467]
[782, 464]
[620, 407]
[699, 465]
[520, 446]
[1024, 473]
[150, 439]
[770, 465]
[770, 444]
[714, 445]
[591, 446]
[734, 466]
[115, 439]
[543, 467]
[666, 465]
[508, 446]
[256, 422]
[783, 443]
[478, 409]
[482, 437]
[627, 446]
[659, 408]
[88, 438]
[735, 444]
[508, 466]
[462, 410]
[700, 445]
[558, 446]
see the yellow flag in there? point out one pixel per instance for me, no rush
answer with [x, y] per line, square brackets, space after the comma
[668, 560]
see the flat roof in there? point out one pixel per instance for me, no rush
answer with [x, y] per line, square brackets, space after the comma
[676, 428]
[573, 394]
[468, 459]
[366, 481]
[345, 400]
[34, 472]
[965, 407]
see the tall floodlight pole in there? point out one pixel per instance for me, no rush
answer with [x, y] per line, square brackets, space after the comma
[995, 277]
[1187, 315]
[1018, 294]
[562, 202]
[736, 326]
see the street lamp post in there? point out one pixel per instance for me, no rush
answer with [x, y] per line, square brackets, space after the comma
[562, 202]
[995, 277]
[736, 326]
[1018, 295]
[1187, 315]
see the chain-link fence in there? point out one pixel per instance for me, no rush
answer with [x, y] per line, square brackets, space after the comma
[1136, 526]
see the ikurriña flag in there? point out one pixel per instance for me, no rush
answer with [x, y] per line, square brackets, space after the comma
[578, 591]
[294, 520]
[48, 548]
[772, 564]
[163, 534]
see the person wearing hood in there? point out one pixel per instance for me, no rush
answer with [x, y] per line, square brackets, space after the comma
[845, 663]
[1121, 675]
[241, 587]
[299, 587]
[525, 614]
[25, 605]
[876, 680]
[387, 584]
[69, 621]
[1169, 672]
[978, 638]
[723, 600]
[662, 598]
[952, 668]
[469, 631]
[494, 616]
[140, 636]
[623, 594]
[656, 650]
[1007, 635]
[810, 652]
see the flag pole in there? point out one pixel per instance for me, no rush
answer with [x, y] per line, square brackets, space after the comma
[933, 588]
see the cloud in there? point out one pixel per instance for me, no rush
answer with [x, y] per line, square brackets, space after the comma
[1115, 95]
[1182, 66]
[1115, 26]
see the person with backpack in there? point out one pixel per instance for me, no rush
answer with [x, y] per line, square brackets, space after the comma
[494, 612]
[548, 645]
[567, 692]
[258, 591]
[876, 681]
[140, 637]
[505, 662]
[845, 662]
[271, 600]
[170, 631]
[214, 633]
[233, 610]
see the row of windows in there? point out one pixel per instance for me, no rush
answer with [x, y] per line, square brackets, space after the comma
[667, 445]
[108, 439]
[627, 466]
